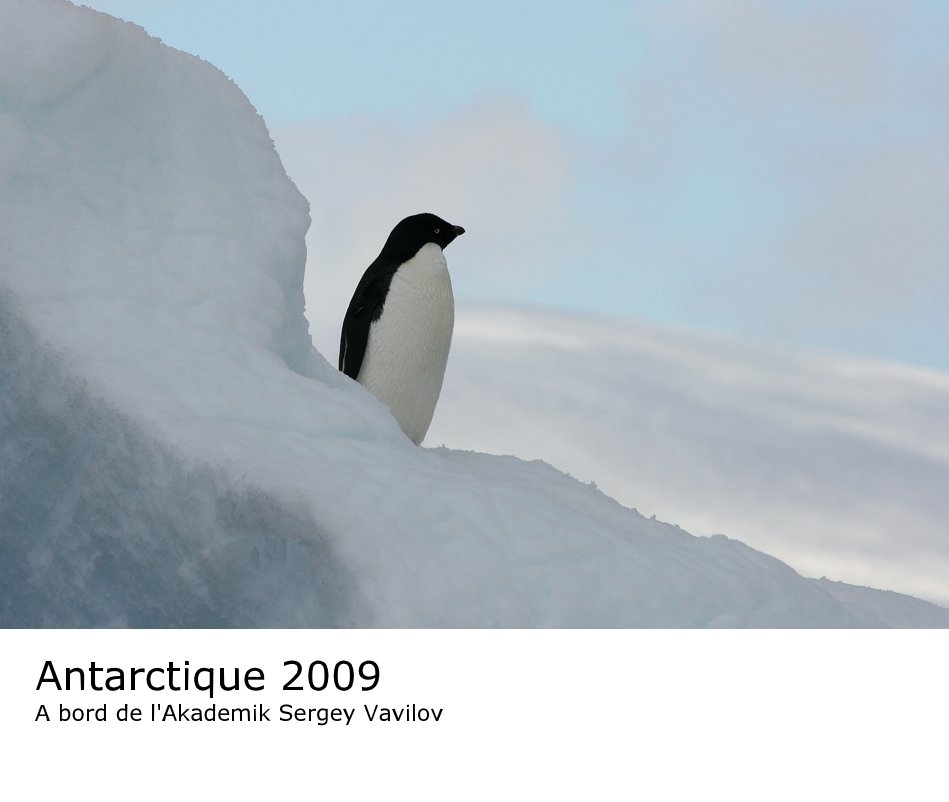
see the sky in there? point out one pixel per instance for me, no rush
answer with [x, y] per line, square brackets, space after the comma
[777, 171]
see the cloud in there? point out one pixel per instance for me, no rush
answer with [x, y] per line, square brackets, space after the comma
[790, 161]
[491, 168]
[782, 174]
[835, 464]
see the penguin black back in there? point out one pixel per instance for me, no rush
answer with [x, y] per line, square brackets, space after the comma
[368, 301]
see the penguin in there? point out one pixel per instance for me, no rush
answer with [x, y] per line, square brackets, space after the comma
[397, 330]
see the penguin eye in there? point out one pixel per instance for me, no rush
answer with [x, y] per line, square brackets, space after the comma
[437, 230]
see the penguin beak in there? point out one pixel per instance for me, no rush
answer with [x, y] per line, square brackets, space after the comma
[458, 230]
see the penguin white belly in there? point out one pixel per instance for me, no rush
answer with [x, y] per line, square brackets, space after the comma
[408, 345]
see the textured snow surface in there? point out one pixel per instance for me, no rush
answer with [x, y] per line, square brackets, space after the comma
[173, 451]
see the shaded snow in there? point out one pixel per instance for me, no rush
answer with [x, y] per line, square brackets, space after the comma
[175, 452]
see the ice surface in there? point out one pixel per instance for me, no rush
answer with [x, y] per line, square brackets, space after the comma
[173, 451]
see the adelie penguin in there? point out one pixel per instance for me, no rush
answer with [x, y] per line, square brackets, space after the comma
[397, 330]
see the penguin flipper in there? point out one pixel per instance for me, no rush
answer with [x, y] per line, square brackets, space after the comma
[354, 338]
[364, 309]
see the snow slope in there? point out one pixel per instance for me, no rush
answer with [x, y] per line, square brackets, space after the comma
[837, 465]
[173, 451]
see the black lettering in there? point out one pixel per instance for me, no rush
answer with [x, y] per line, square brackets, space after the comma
[209, 686]
[148, 679]
[321, 686]
[237, 681]
[254, 675]
[135, 673]
[116, 680]
[48, 667]
[369, 671]
[288, 685]
[82, 678]
[350, 675]
[126, 713]
[172, 670]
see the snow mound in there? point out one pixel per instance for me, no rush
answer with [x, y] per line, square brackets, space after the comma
[174, 452]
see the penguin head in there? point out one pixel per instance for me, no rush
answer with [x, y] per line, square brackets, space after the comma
[413, 232]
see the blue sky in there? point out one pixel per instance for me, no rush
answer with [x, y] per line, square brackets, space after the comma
[304, 61]
[773, 170]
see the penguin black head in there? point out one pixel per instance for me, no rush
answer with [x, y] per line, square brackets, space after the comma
[413, 232]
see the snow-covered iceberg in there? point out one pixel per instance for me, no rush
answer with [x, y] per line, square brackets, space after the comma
[174, 452]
